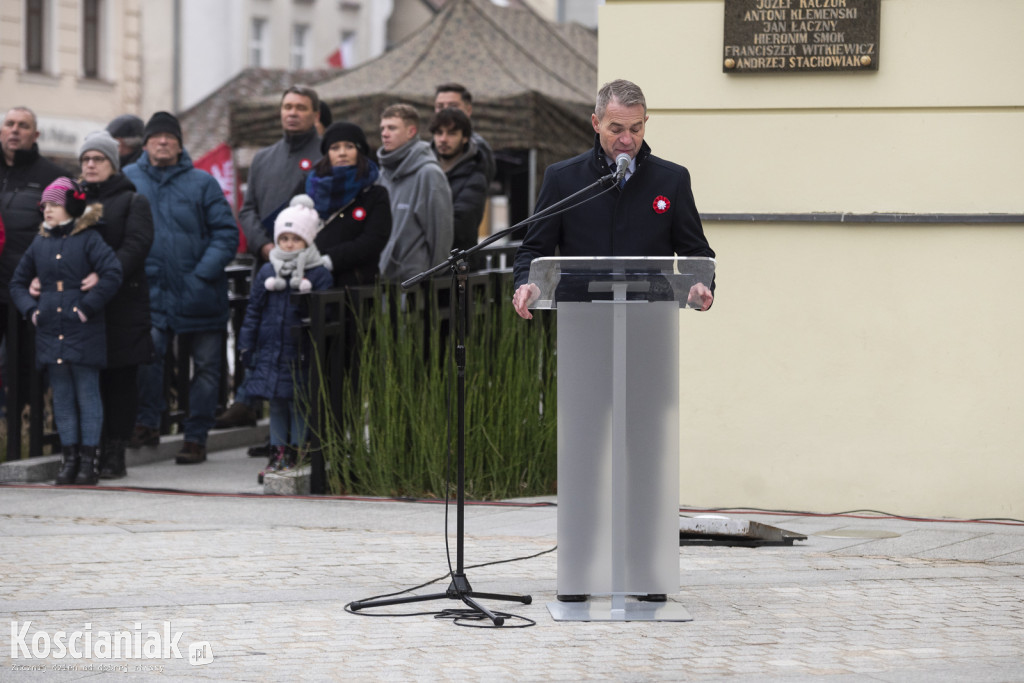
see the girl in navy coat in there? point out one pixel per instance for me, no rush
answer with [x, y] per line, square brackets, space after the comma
[271, 335]
[71, 338]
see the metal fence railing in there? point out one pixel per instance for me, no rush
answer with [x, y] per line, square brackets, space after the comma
[332, 327]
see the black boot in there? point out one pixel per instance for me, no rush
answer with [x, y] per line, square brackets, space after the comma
[113, 466]
[291, 456]
[265, 450]
[68, 466]
[277, 462]
[89, 469]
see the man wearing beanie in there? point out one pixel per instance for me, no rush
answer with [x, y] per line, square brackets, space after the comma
[127, 130]
[23, 175]
[274, 174]
[195, 237]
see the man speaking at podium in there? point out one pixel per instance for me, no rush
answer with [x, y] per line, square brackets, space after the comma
[630, 547]
[649, 213]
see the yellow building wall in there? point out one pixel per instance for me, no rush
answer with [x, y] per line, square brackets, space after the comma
[860, 365]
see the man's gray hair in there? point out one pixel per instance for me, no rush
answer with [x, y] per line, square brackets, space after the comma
[626, 93]
[35, 121]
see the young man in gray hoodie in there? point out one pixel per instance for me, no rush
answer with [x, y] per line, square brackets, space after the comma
[421, 201]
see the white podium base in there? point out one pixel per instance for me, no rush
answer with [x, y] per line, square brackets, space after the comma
[618, 448]
[629, 610]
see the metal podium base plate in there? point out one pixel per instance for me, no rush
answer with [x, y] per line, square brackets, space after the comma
[633, 610]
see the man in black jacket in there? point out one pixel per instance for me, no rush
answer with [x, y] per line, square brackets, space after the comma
[652, 213]
[464, 164]
[455, 96]
[24, 173]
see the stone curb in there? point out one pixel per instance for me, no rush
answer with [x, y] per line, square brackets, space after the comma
[294, 482]
[44, 468]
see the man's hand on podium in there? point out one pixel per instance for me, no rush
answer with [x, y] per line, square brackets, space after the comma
[700, 297]
[524, 296]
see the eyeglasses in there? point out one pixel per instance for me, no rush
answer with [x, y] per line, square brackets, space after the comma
[94, 160]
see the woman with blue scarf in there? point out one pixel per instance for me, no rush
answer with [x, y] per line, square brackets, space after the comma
[355, 210]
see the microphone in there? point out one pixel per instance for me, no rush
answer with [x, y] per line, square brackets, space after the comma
[621, 166]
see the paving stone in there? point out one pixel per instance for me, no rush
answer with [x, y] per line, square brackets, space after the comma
[266, 580]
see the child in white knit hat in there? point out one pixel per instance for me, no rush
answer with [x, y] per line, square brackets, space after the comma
[270, 339]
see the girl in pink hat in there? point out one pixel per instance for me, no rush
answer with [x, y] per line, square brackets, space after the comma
[78, 274]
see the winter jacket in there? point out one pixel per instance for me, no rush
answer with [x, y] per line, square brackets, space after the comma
[273, 174]
[20, 188]
[270, 341]
[355, 237]
[421, 211]
[624, 221]
[127, 226]
[195, 236]
[61, 258]
[467, 179]
[490, 166]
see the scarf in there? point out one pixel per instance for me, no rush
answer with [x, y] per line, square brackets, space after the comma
[332, 192]
[290, 268]
[60, 229]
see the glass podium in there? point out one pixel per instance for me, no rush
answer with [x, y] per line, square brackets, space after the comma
[618, 429]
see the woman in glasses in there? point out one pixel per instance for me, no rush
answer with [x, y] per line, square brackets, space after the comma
[127, 227]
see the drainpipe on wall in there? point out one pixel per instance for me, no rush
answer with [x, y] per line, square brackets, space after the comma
[176, 60]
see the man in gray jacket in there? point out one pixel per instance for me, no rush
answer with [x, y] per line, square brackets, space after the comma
[276, 170]
[421, 201]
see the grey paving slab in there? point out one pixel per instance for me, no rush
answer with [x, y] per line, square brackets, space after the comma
[265, 582]
[911, 543]
[1016, 557]
[983, 548]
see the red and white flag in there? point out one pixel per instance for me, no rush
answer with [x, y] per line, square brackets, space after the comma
[344, 56]
[219, 162]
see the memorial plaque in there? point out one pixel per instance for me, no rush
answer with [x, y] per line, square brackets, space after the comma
[763, 36]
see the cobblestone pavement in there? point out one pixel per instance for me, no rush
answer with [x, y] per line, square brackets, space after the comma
[264, 581]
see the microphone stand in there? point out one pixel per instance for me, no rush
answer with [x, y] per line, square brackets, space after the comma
[458, 264]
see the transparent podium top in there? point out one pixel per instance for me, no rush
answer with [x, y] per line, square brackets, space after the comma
[619, 278]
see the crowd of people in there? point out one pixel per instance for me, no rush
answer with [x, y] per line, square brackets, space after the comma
[108, 263]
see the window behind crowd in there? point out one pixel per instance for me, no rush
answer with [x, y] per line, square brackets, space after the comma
[91, 32]
[258, 43]
[36, 18]
[300, 46]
